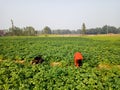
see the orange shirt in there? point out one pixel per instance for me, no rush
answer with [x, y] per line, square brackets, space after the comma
[78, 56]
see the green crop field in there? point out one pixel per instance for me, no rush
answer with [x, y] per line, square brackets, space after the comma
[100, 69]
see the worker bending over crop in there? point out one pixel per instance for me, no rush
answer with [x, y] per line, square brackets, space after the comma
[78, 59]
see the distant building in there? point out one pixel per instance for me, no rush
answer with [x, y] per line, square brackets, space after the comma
[3, 32]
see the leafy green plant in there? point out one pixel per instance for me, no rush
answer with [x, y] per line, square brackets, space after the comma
[96, 51]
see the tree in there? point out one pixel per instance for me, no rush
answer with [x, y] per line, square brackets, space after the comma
[29, 31]
[118, 30]
[112, 29]
[109, 29]
[104, 30]
[12, 24]
[46, 30]
[16, 31]
[83, 29]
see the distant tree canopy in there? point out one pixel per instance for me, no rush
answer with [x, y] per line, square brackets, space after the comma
[62, 31]
[30, 31]
[16, 31]
[46, 30]
[83, 29]
[104, 30]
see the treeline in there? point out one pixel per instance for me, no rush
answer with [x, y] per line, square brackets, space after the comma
[101, 30]
[30, 31]
[26, 31]
[104, 30]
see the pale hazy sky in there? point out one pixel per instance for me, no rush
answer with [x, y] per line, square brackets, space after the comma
[59, 14]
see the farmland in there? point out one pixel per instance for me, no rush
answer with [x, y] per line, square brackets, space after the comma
[100, 69]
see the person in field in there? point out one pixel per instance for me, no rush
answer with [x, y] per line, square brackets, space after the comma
[37, 60]
[78, 59]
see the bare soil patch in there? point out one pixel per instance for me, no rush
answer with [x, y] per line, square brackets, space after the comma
[104, 66]
[20, 61]
[55, 64]
[107, 66]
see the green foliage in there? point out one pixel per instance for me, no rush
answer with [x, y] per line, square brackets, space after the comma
[16, 31]
[83, 29]
[95, 50]
[29, 31]
[46, 30]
